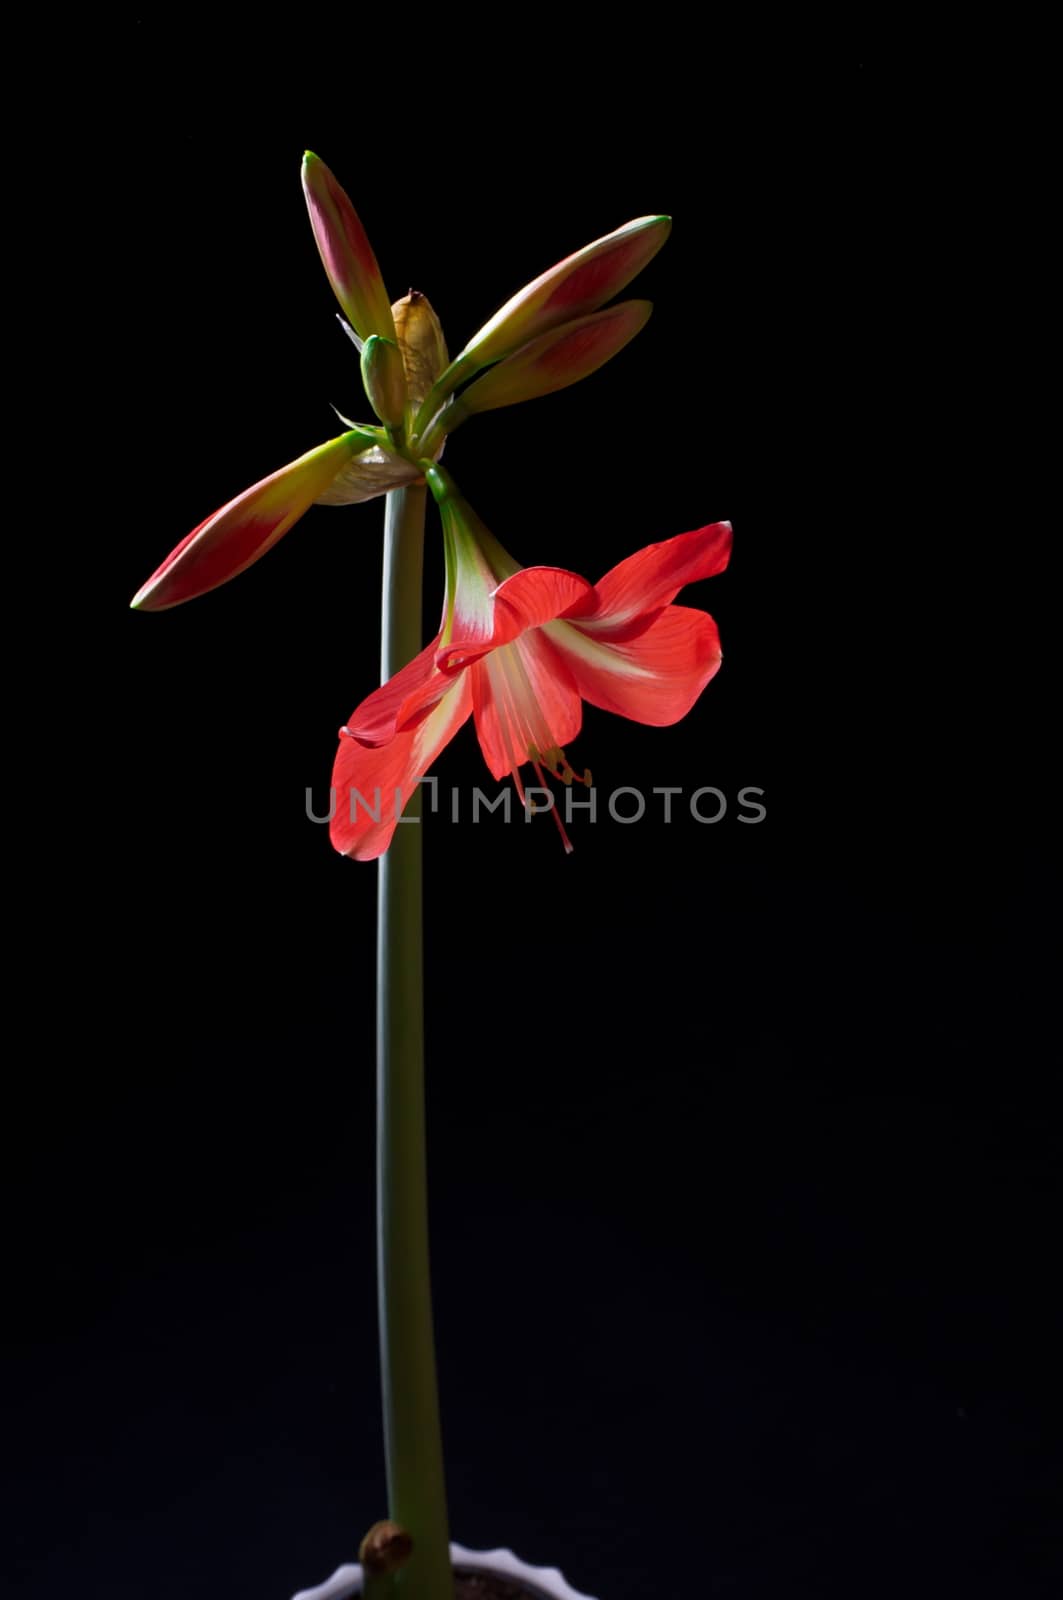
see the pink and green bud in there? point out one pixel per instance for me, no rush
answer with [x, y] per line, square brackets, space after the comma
[242, 531]
[578, 285]
[553, 361]
[420, 336]
[346, 253]
[384, 377]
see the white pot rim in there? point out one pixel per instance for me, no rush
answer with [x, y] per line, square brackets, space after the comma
[547, 1581]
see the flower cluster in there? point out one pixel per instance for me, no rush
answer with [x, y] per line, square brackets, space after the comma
[518, 649]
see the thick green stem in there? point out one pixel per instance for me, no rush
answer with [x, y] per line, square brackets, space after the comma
[412, 1436]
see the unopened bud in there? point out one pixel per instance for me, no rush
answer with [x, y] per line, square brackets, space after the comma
[384, 378]
[573, 288]
[553, 361]
[346, 253]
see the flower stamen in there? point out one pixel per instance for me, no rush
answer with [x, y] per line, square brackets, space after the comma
[565, 840]
[525, 731]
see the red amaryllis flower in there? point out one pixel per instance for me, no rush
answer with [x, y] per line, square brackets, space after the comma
[520, 649]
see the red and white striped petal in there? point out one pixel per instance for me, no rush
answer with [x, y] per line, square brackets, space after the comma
[527, 704]
[372, 786]
[634, 591]
[387, 710]
[654, 678]
[527, 599]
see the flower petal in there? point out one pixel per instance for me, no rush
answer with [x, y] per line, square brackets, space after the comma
[553, 361]
[402, 701]
[346, 253]
[639, 586]
[539, 594]
[372, 787]
[526, 702]
[527, 599]
[654, 678]
[244, 529]
[580, 283]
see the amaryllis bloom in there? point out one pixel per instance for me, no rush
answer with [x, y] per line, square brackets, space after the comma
[520, 649]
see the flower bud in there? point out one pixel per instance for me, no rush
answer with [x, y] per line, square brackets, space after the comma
[575, 286]
[345, 251]
[553, 361]
[384, 377]
[244, 529]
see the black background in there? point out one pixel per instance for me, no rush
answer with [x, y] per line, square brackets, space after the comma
[744, 1180]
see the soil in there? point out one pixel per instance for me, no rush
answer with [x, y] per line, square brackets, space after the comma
[485, 1586]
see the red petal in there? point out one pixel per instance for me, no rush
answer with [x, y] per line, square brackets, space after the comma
[539, 594]
[654, 678]
[652, 577]
[527, 599]
[523, 695]
[388, 708]
[234, 537]
[375, 785]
